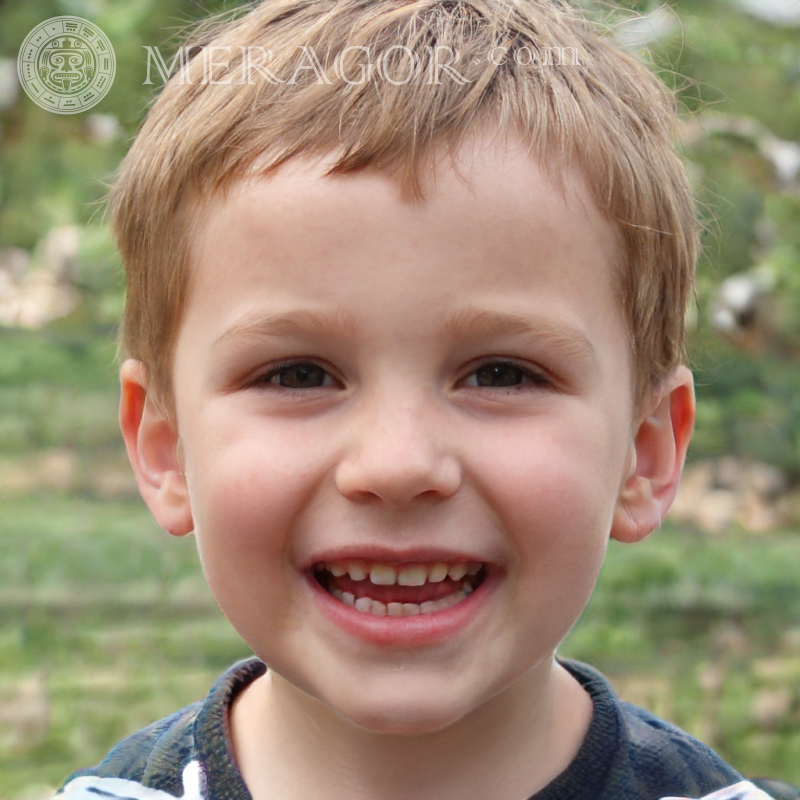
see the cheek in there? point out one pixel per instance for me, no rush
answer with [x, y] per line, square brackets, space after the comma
[551, 482]
[248, 476]
[245, 513]
[554, 497]
[248, 502]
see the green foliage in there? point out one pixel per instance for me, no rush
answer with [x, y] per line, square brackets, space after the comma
[51, 171]
[117, 616]
[711, 627]
[731, 65]
[58, 390]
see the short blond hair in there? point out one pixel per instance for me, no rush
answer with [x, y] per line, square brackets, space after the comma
[533, 66]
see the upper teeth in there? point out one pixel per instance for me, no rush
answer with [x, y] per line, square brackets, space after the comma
[405, 575]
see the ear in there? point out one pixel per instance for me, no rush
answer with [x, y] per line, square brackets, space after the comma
[151, 440]
[658, 452]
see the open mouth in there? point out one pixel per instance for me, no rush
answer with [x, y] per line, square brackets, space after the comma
[399, 590]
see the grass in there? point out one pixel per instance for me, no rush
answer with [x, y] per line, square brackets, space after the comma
[705, 631]
[112, 617]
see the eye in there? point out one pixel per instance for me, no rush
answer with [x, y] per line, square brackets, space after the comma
[301, 375]
[503, 375]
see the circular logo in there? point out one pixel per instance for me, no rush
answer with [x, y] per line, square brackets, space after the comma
[66, 65]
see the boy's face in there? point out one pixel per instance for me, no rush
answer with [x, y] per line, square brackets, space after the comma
[375, 385]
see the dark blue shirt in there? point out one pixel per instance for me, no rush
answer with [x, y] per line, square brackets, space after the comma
[628, 754]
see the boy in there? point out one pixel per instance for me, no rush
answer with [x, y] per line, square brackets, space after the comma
[404, 338]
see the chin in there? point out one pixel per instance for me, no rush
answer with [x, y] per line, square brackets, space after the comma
[401, 715]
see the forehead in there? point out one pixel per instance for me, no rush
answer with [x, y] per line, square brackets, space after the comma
[515, 200]
[492, 230]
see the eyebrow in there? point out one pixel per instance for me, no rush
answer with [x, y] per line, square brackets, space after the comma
[468, 322]
[480, 323]
[289, 323]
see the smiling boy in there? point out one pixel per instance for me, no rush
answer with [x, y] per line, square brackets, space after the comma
[403, 355]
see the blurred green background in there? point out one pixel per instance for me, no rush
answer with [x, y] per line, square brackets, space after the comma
[105, 624]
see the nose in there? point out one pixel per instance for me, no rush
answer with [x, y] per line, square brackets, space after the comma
[397, 453]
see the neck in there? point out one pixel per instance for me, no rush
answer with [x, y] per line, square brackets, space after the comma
[288, 745]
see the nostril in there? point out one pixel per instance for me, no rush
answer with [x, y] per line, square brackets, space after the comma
[390, 478]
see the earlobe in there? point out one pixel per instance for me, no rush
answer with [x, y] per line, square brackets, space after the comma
[658, 454]
[151, 440]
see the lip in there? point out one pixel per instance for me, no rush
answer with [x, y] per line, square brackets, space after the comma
[392, 556]
[416, 631]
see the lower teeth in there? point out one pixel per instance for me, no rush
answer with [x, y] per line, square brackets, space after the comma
[367, 605]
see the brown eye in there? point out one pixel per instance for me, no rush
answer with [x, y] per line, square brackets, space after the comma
[499, 375]
[299, 376]
[507, 375]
